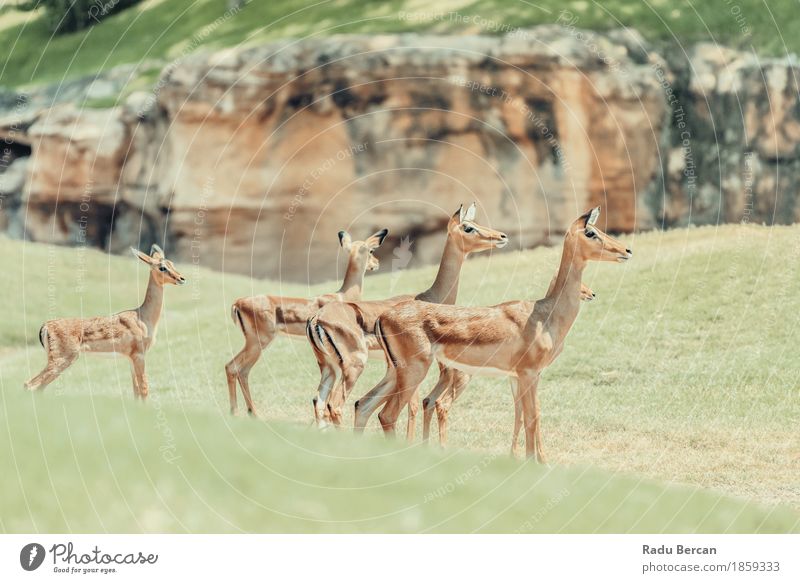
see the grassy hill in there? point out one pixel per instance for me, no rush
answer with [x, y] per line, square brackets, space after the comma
[166, 30]
[673, 408]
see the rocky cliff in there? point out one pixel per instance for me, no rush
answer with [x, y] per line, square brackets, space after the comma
[251, 160]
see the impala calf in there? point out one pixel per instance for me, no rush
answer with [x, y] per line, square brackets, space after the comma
[515, 339]
[130, 333]
[262, 318]
[341, 334]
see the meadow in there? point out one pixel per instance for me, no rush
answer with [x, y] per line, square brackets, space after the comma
[673, 408]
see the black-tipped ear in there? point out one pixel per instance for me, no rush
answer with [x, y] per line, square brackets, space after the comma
[156, 252]
[381, 235]
[458, 216]
[345, 240]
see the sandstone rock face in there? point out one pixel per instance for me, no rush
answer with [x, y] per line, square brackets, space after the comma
[738, 158]
[251, 160]
[291, 142]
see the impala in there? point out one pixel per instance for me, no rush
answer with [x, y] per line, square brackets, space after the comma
[341, 334]
[130, 333]
[442, 397]
[515, 339]
[262, 318]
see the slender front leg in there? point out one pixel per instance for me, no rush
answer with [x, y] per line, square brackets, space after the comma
[527, 392]
[140, 386]
[514, 383]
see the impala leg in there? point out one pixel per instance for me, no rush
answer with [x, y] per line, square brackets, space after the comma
[231, 376]
[140, 385]
[134, 382]
[54, 367]
[458, 382]
[408, 380]
[239, 369]
[370, 402]
[327, 381]
[538, 433]
[413, 407]
[527, 389]
[517, 416]
[350, 375]
[428, 402]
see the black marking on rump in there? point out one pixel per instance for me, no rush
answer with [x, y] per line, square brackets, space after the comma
[42, 332]
[239, 316]
[384, 344]
[317, 346]
[320, 332]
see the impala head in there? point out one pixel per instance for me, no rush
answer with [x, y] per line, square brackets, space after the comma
[587, 295]
[469, 235]
[592, 244]
[161, 267]
[362, 252]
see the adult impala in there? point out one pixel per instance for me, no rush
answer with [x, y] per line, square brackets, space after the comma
[342, 333]
[262, 318]
[442, 397]
[130, 333]
[515, 339]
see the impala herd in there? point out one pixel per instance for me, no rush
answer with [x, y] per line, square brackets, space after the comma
[517, 339]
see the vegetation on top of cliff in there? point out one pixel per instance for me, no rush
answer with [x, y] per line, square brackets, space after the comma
[162, 31]
[683, 370]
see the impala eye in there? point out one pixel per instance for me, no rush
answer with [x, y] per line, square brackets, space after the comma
[468, 229]
[591, 234]
[162, 268]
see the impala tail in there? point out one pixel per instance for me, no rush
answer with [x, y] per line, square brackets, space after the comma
[315, 333]
[43, 336]
[236, 316]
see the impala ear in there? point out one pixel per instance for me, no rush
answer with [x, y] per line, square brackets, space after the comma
[143, 256]
[344, 240]
[470, 214]
[156, 252]
[377, 239]
[592, 217]
[458, 216]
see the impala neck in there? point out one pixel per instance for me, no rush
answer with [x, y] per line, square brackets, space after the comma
[565, 291]
[353, 281]
[445, 287]
[150, 310]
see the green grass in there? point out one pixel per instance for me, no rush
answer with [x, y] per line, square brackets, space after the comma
[103, 464]
[161, 29]
[673, 407]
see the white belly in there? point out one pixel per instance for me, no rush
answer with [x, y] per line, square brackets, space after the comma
[483, 371]
[98, 354]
